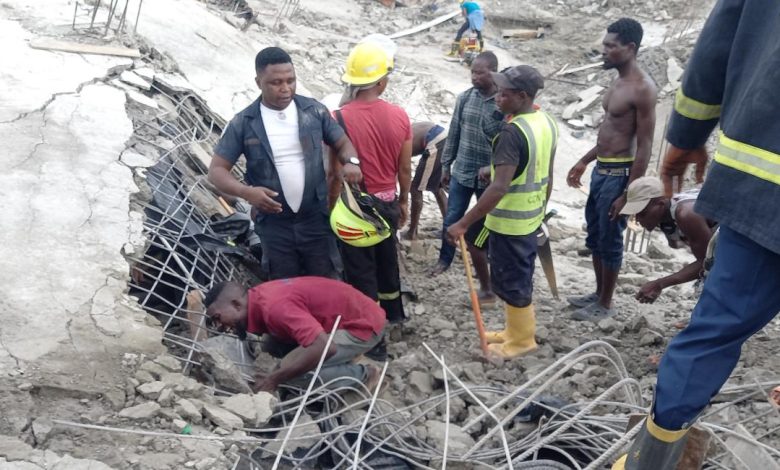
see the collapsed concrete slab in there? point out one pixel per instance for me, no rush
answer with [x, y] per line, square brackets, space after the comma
[66, 216]
[224, 81]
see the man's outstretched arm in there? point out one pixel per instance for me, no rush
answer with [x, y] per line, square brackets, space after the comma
[301, 360]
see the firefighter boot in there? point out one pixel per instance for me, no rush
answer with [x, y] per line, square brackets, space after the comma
[654, 448]
[454, 49]
[518, 334]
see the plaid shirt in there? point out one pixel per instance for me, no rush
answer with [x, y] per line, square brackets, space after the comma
[472, 129]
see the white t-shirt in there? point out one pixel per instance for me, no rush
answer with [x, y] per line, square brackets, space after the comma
[282, 130]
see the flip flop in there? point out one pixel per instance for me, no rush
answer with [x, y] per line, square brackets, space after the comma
[583, 300]
[593, 312]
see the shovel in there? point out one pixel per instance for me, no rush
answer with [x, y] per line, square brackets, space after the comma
[474, 298]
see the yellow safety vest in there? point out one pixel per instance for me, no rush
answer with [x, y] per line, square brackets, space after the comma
[521, 210]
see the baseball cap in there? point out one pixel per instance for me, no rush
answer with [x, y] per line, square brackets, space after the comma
[520, 77]
[640, 192]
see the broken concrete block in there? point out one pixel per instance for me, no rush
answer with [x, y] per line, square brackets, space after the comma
[151, 390]
[459, 440]
[569, 111]
[217, 363]
[147, 73]
[142, 99]
[750, 454]
[142, 412]
[172, 83]
[41, 429]
[166, 397]
[576, 123]
[135, 159]
[674, 72]
[588, 120]
[13, 449]
[305, 435]
[420, 382]
[178, 425]
[584, 104]
[156, 370]
[181, 384]
[188, 410]
[116, 398]
[165, 360]
[132, 78]
[589, 93]
[143, 376]
[222, 417]
[474, 371]
[608, 325]
[255, 409]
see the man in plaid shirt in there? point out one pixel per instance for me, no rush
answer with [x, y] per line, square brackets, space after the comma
[475, 122]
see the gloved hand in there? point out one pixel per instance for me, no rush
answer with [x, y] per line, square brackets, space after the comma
[675, 163]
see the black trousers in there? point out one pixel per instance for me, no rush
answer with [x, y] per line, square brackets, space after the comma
[299, 245]
[463, 30]
[374, 270]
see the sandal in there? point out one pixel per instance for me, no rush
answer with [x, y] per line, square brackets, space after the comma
[593, 312]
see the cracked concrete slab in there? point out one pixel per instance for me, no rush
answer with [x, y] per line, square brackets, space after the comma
[66, 217]
[32, 78]
[225, 81]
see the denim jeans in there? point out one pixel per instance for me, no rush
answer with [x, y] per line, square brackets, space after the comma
[605, 237]
[457, 204]
[741, 295]
[340, 364]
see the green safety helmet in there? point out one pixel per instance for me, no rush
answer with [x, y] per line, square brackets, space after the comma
[356, 221]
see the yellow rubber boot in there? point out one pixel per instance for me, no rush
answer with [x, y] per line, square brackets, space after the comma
[519, 333]
[454, 49]
[494, 337]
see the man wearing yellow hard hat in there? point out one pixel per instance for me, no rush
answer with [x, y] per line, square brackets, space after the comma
[382, 135]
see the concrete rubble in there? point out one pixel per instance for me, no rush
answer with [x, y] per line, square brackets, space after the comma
[76, 175]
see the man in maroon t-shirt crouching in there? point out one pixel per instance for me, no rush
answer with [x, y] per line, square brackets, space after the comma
[302, 311]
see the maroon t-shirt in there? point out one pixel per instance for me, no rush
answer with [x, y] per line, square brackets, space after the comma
[299, 309]
[378, 130]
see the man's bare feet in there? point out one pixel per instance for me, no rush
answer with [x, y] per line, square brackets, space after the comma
[438, 269]
[372, 377]
[408, 235]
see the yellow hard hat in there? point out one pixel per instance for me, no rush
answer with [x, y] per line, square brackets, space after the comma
[363, 229]
[367, 63]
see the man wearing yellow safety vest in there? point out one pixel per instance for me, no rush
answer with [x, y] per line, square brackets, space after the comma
[514, 203]
[731, 79]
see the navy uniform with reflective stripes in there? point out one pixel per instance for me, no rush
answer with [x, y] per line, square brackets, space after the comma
[732, 79]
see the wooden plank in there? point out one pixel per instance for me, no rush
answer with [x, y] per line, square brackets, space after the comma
[424, 26]
[522, 33]
[578, 69]
[78, 48]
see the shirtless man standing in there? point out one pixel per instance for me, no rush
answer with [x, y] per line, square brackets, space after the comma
[622, 152]
[428, 140]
